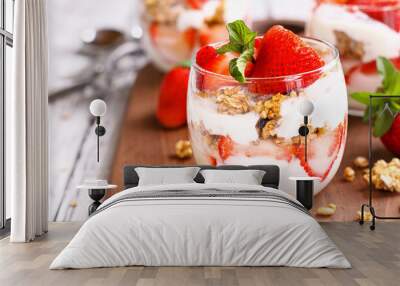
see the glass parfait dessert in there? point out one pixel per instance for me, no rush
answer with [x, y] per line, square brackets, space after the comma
[243, 102]
[173, 29]
[362, 30]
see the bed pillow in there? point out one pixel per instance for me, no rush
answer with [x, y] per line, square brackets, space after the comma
[248, 177]
[164, 176]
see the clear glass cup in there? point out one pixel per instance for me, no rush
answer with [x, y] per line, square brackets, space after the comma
[361, 33]
[245, 124]
[174, 29]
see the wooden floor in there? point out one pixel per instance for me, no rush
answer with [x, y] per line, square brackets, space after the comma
[375, 257]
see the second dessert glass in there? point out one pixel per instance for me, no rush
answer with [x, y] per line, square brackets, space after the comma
[245, 124]
[362, 33]
[174, 29]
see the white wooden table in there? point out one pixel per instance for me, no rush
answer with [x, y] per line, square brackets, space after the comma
[71, 127]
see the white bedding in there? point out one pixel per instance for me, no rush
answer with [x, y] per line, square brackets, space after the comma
[183, 231]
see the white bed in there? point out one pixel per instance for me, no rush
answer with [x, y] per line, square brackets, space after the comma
[225, 225]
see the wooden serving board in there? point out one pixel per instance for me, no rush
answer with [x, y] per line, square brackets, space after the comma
[143, 141]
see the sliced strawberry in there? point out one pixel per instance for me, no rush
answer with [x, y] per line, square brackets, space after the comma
[205, 55]
[208, 58]
[171, 109]
[322, 152]
[212, 34]
[284, 53]
[370, 68]
[266, 148]
[380, 10]
[172, 44]
[196, 4]
[381, 3]
[257, 46]
[225, 147]
[249, 69]
[213, 161]
[153, 30]
[250, 66]
[190, 37]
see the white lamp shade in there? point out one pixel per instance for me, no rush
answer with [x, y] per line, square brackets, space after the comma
[306, 107]
[98, 107]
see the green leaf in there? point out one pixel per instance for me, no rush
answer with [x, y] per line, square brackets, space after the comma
[383, 120]
[383, 111]
[237, 66]
[362, 97]
[236, 70]
[239, 33]
[241, 40]
[230, 47]
[365, 117]
[395, 106]
[185, 64]
[387, 70]
[393, 84]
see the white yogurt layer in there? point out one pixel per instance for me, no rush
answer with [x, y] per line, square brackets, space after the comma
[240, 127]
[378, 38]
[360, 82]
[194, 18]
[329, 96]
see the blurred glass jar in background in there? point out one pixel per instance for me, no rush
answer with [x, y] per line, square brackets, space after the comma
[257, 122]
[362, 30]
[174, 29]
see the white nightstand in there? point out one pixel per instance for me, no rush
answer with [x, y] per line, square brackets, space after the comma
[96, 193]
[305, 190]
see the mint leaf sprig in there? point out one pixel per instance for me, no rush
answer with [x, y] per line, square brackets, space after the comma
[383, 111]
[241, 40]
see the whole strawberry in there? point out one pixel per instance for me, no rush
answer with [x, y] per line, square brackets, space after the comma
[391, 139]
[171, 109]
[385, 110]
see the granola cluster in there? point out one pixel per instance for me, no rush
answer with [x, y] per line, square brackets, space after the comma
[361, 162]
[349, 47]
[367, 216]
[329, 210]
[183, 149]
[232, 101]
[349, 174]
[385, 175]
[167, 11]
[270, 108]
[269, 111]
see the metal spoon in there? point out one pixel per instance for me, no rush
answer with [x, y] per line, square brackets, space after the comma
[96, 43]
[102, 38]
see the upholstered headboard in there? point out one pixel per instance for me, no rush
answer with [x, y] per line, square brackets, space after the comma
[271, 178]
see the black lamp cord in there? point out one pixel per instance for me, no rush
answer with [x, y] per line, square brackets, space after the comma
[303, 131]
[98, 138]
[305, 137]
[100, 131]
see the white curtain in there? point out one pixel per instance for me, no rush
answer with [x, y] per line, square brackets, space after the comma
[26, 123]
